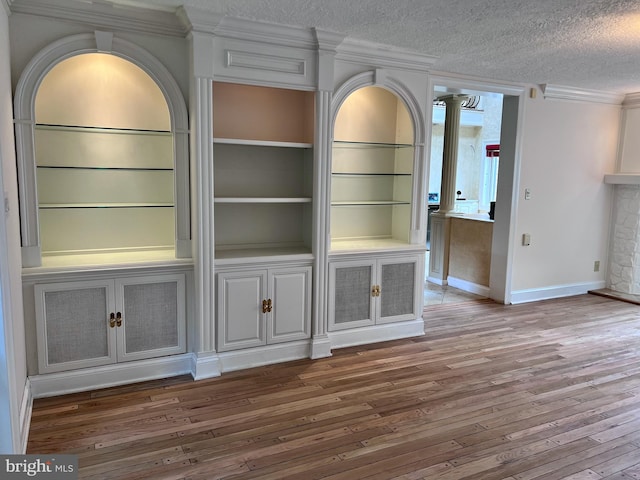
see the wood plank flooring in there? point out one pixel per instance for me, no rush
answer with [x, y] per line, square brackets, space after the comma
[547, 390]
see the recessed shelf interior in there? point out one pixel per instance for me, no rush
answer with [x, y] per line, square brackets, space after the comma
[372, 171]
[105, 160]
[263, 171]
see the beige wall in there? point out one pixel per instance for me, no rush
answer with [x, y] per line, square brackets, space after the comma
[470, 250]
[567, 148]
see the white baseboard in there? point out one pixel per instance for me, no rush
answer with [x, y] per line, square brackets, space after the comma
[26, 408]
[205, 365]
[85, 379]
[436, 280]
[467, 286]
[267, 355]
[377, 333]
[557, 291]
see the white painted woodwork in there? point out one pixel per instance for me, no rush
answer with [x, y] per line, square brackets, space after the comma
[369, 274]
[242, 319]
[290, 291]
[66, 331]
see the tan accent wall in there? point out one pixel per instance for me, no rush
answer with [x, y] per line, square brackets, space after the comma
[470, 250]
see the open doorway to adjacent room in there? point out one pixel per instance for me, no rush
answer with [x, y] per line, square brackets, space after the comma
[477, 243]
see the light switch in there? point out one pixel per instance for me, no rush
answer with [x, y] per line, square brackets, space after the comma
[526, 239]
[527, 194]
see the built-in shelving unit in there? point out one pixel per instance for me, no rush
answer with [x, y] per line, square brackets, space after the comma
[263, 170]
[104, 175]
[372, 172]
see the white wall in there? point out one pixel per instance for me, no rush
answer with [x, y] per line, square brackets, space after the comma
[13, 370]
[630, 148]
[567, 147]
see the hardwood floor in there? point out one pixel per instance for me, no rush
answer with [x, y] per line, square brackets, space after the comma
[547, 390]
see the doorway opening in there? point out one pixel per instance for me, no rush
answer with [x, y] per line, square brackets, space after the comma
[477, 239]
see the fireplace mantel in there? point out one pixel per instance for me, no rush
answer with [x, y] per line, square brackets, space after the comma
[622, 178]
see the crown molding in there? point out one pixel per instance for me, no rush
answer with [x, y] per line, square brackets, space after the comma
[328, 41]
[631, 100]
[559, 92]
[360, 51]
[246, 30]
[198, 20]
[105, 15]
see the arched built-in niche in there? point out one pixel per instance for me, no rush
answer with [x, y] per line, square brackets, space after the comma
[376, 167]
[103, 155]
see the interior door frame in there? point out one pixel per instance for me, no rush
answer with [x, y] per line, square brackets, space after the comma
[504, 235]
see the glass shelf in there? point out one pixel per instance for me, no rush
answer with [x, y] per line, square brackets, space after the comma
[369, 203]
[363, 145]
[139, 169]
[79, 128]
[358, 174]
[262, 200]
[56, 206]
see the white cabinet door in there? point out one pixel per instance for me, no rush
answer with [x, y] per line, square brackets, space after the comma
[240, 309]
[99, 322]
[351, 295]
[151, 313]
[400, 288]
[290, 316]
[73, 325]
[370, 292]
[260, 307]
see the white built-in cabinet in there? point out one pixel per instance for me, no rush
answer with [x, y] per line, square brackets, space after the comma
[375, 271]
[102, 148]
[103, 321]
[369, 292]
[303, 192]
[263, 212]
[263, 307]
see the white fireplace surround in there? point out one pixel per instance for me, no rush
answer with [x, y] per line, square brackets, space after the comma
[624, 258]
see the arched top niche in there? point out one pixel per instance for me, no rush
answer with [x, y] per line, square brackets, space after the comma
[101, 90]
[375, 164]
[383, 102]
[100, 82]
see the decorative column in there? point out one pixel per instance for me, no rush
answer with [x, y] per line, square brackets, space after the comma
[440, 220]
[206, 362]
[327, 45]
[450, 152]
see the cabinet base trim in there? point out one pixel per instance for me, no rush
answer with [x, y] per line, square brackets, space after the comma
[377, 333]
[205, 365]
[320, 347]
[52, 384]
[267, 355]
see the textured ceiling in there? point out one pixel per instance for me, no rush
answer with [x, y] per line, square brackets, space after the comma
[589, 44]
